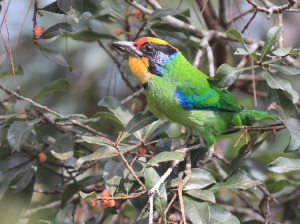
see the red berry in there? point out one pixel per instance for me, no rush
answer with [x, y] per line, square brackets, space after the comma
[42, 157]
[94, 204]
[172, 218]
[142, 151]
[138, 13]
[118, 32]
[105, 193]
[38, 30]
[111, 203]
[103, 203]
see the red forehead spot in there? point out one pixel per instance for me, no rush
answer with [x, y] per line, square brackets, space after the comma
[140, 42]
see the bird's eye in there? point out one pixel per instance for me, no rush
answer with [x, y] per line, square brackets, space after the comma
[149, 49]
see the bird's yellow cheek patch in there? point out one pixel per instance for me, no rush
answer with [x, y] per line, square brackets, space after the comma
[139, 68]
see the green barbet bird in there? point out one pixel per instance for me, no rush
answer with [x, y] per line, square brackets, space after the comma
[177, 91]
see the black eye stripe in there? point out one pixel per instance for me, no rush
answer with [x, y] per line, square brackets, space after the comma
[166, 49]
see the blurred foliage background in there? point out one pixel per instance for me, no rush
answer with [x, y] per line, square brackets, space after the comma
[95, 75]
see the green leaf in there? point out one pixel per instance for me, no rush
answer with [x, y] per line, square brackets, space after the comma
[89, 5]
[112, 175]
[19, 131]
[164, 12]
[241, 51]
[139, 203]
[115, 106]
[73, 8]
[220, 215]
[286, 70]
[123, 148]
[166, 156]
[84, 195]
[68, 193]
[253, 55]
[13, 205]
[90, 36]
[235, 34]
[4, 153]
[270, 40]
[138, 122]
[58, 85]
[281, 52]
[54, 56]
[204, 195]
[64, 147]
[197, 211]
[279, 105]
[271, 61]
[53, 7]
[155, 129]
[275, 82]
[227, 75]
[89, 181]
[238, 180]
[10, 72]
[57, 29]
[200, 178]
[128, 179]
[95, 140]
[43, 213]
[295, 53]
[162, 145]
[284, 165]
[151, 178]
[108, 116]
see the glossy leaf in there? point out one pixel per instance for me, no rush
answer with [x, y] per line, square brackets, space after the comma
[220, 215]
[108, 116]
[128, 179]
[74, 8]
[138, 122]
[283, 165]
[197, 211]
[53, 7]
[139, 203]
[281, 52]
[19, 131]
[200, 178]
[275, 82]
[241, 51]
[164, 12]
[253, 55]
[90, 36]
[95, 140]
[279, 105]
[5, 152]
[155, 129]
[89, 5]
[112, 174]
[64, 147]
[12, 205]
[204, 195]
[238, 181]
[68, 193]
[58, 85]
[286, 70]
[115, 106]
[54, 56]
[162, 145]
[89, 180]
[227, 75]
[10, 72]
[57, 30]
[104, 149]
[235, 34]
[295, 53]
[166, 156]
[151, 178]
[270, 40]
[84, 195]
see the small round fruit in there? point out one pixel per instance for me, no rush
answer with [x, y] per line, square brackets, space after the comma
[111, 203]
[42, 157]
[142, 151]
[118, 32]
[105, 193]
[103, 203]
[38, 30]
[94, 204]
[172, 218]
[138, 13]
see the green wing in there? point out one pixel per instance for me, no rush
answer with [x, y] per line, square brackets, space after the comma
[192, 96]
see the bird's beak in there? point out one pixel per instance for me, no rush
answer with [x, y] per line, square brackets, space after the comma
[127, 48]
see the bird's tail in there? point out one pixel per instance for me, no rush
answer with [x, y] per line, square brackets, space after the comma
[249, 117]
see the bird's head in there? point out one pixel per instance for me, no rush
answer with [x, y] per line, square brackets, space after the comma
[147, 56]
